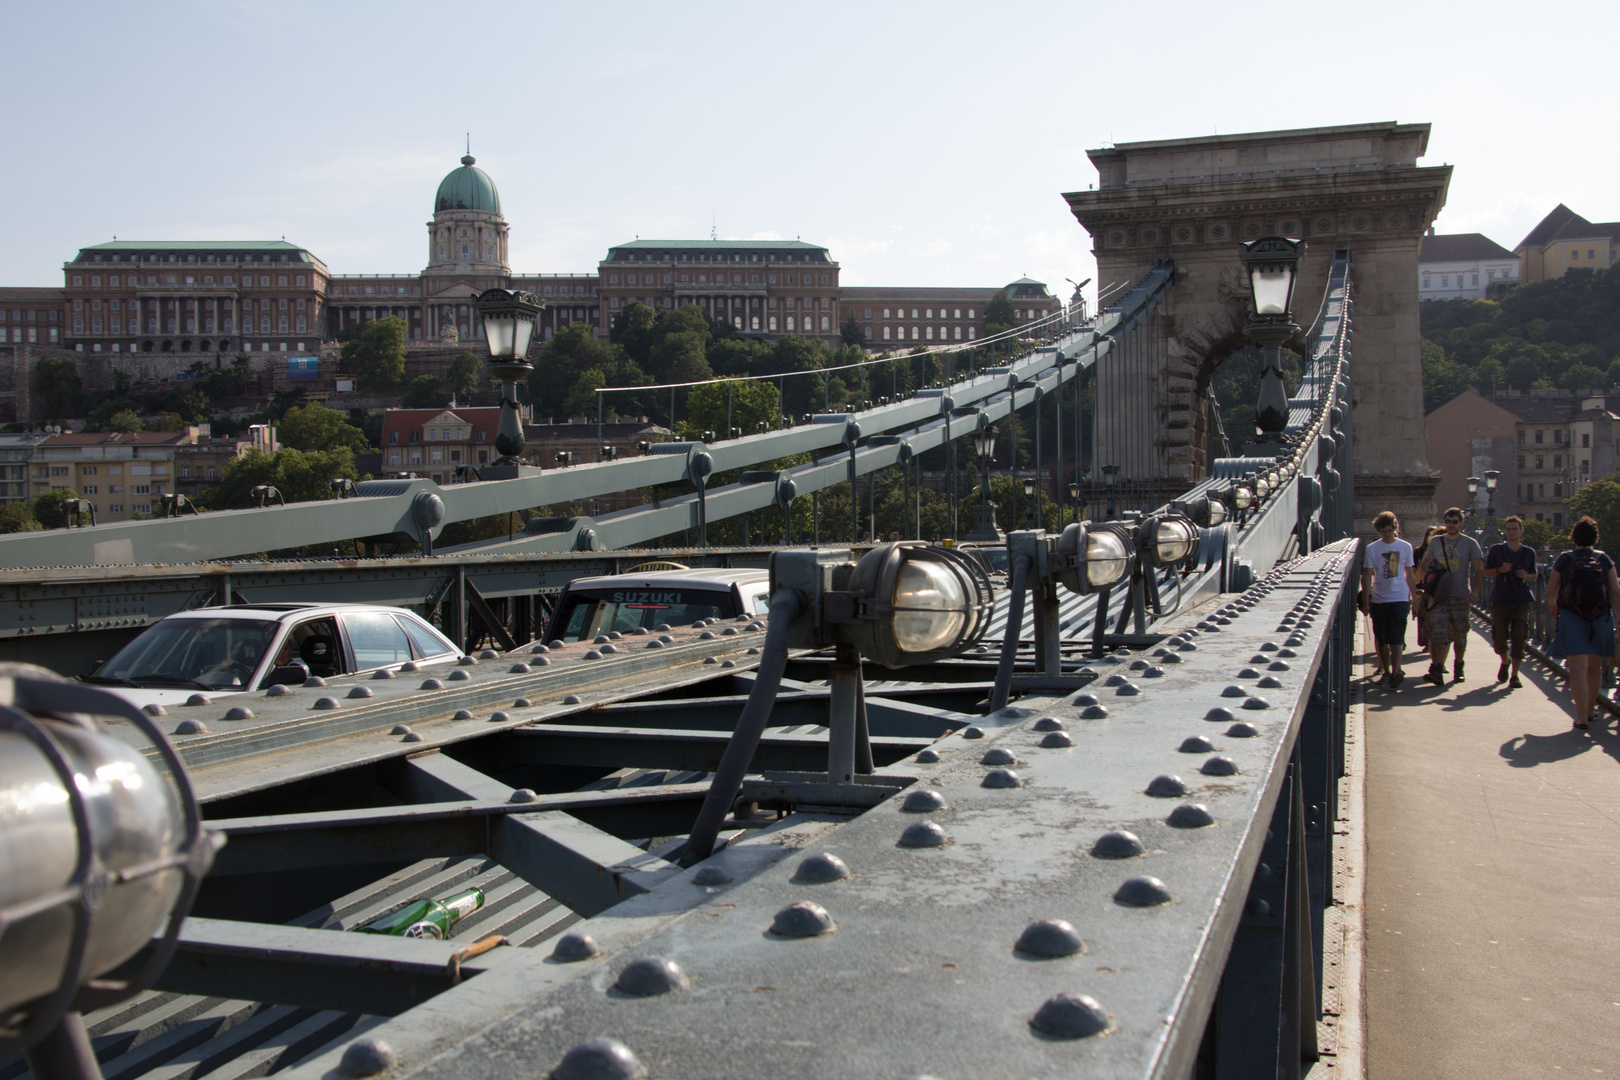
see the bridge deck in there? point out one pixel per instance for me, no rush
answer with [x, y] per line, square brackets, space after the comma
[1493, 872]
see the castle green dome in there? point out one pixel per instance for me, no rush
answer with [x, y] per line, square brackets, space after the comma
[467, 188]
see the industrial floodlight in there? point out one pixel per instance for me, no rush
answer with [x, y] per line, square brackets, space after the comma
[1206, 511]
[72, 508]
[1093, 555]
[342, 487]
[264, 494]
[1165, 540]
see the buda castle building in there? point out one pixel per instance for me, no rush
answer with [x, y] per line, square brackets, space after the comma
[221, 298]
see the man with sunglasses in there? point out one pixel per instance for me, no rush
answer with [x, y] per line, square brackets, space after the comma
[1461, 566]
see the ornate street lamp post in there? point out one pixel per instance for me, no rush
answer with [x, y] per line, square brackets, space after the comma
[1110, 477]
[984, 528]
[1272, 264]
[1074, 492]
[509, 319]
[1029, 503]
[1492, 534]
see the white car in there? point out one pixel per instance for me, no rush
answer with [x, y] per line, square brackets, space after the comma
[231, 650]
[651, 598]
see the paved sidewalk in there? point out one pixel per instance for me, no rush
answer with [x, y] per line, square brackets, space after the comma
[1493, 880]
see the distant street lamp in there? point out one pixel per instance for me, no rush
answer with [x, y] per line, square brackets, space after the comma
[1074, 492]
[1029, 503]
[509, 320]
[1492, 534]
[1272, 265]
[984, 527]
[1110, 477]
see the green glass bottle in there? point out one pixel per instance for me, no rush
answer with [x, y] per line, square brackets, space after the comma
[427, 918]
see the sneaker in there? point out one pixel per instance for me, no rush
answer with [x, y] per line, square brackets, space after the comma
[1514, 683]
[1435, 676]
[1396, 679]
[1502, 672]
[1457, 673]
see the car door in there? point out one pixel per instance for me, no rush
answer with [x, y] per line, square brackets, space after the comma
[375, 640]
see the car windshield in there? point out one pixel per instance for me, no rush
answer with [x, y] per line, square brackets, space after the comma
[590, 612]
[209, 654]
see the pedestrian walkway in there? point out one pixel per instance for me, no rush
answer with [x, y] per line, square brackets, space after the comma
[1492, 918]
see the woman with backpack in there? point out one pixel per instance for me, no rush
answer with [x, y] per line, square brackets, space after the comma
[1581, 596]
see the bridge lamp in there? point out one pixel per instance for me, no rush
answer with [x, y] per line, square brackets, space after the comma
[72, 508]
[342, 488]
[1272, 264]
[1473, 487]
[1166, 540]
[607, 453]
[645, 446]
[1242, 497]
[263, 494]
[509, 319]
[1203, 511]
[707, 436]
[1092, 556]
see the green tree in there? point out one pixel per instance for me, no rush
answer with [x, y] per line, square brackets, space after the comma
[570, 353]
[377, 357]
[166, 421]
[465, 377]
[315, 427]
[299, 476]
[851, 333]
[1601, 499]
[426, 392]
[125, 420]
[18, 517]
[48, 508]
[998, 314]
[1539, 535]
[1442, 379]
[752, 403]
[56, 384]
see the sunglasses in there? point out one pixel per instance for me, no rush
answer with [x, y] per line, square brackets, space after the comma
[1453, 521]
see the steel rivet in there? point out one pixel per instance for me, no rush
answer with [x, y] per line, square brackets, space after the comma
[540, 661]
[1259, 907]
[1013, 713]
[571, 699]
[1258, 658]
[753, 650]
[1223, 621]
[592, 654]
[608, 650]
[1257, 703]
[650, 976]
[1172, 658]
[278, 690]
[973, 732]
[360, 692]
[239, 712]
[400, 729]
[462, 714]
[730, 631]
[573, 947]
[366, 1057]
[523, 795]
[802, 919]
[1268, 683]
[1234, 691]
[1117, 844]
[1190, 816]
[1047, 723]
[1268, 646]
[660, 628]
[432, 684]
[922, 834]
[921, 802]
[382, 673]
[1115, 680]
[459, 675]
[1056, 740]
[540, 649]
[1241, 730]
[1196, 744]
[1247, 673]
[756, 625]
[728, 663]
[1153, 673]
[1127, 690]
[1070, 1016]
[518, 669]
[198, 699]
[155, 709]
[1288, 654]
[1219, 766]
[1000, 778]
[997, 755]
[410, 665]
[655, 644]
[1086, 699]
[193, 727]
[1139, 665]
[1166, 787]
[927, 757]
[711, 875]
[1049, 938]
[711, 660]
[466, 661]
[488, 654]
[1094, 712]
[1278, 665]
[821, 868]
[412, 736]
[326, 703]
[707, 635]
[521, 703]
[599, 1059]
[1087, 672]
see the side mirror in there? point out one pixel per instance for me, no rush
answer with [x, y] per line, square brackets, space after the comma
[287, 674]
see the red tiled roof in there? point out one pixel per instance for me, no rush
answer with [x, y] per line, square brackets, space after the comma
[120, 438]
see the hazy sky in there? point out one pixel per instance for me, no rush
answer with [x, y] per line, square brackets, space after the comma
[922, 143]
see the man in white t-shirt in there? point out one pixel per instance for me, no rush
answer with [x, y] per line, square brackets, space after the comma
[1386, 593]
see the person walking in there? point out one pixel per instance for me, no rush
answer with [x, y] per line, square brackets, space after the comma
[1386, 593]
[1418, 610]
[1451, 571]
[1581, 596]
[1512, 566]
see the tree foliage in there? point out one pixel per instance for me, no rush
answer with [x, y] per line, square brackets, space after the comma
[315, 427]
[998, 314]
[48, 510]
[125, 420]
[465, 377]
[18, 517]
[377, 357]
[426, 392]
[56, 384]
[1600, 499]
[300, 476]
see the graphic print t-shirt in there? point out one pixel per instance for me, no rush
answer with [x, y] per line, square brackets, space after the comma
[1457, 558]
[1388, 562]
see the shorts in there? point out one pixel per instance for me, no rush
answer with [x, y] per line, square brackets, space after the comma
[1577, 637]
[1447, 621]
[1510, 623]
[1389, 623]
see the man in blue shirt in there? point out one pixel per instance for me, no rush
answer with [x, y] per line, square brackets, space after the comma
[1513, 566]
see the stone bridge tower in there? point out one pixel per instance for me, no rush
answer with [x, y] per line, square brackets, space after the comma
[1195, 200]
